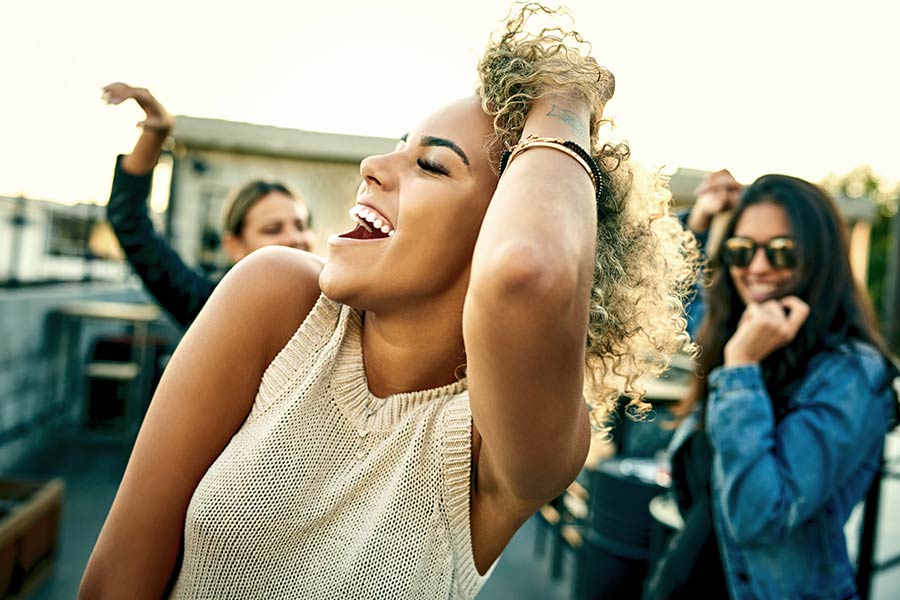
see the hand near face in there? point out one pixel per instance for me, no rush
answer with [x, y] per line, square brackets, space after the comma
[720, 192]
[157, 118]
[764, 328]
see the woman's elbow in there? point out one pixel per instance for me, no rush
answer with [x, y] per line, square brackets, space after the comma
[527, 270]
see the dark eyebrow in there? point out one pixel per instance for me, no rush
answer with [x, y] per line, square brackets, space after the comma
[436, 141]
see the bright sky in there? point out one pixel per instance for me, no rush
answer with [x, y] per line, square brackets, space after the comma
[805, 88]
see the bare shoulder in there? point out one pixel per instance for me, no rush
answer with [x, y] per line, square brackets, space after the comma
[215, 371]
[270, 293]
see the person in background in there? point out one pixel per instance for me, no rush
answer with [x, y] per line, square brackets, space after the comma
[258, 214]
[717, 195]
[784, 426]
[380, 426]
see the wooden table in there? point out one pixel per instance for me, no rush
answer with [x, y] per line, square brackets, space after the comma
[135, 373]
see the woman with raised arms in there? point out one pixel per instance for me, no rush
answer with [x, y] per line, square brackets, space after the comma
[380, 427]
[257, 214]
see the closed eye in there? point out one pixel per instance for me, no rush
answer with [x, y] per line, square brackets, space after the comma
[431, 167]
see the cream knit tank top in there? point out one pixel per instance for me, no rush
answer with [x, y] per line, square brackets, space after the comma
[328, 491]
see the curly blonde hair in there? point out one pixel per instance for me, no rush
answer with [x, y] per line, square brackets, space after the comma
[645, 263]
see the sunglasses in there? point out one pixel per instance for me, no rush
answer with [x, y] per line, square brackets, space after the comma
[739, 252]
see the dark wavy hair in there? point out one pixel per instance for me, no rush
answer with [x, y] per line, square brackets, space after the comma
[839, 309]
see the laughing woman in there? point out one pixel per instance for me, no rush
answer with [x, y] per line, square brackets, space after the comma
[784, 436]
[381, 426]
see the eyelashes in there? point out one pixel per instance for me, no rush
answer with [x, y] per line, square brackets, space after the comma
[431, 167]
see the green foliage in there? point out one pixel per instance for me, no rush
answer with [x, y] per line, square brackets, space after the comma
[864, 184]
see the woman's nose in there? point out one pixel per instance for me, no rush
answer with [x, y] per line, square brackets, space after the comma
[760, 262]
[377, 172]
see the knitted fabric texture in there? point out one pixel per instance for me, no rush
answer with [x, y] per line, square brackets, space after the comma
[328, 491]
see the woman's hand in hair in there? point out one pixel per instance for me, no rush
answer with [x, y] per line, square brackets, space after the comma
[764, 328]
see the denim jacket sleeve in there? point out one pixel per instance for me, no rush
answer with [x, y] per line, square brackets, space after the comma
[772, 478]
[178, 288]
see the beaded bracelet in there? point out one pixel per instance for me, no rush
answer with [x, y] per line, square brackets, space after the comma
[566, 146]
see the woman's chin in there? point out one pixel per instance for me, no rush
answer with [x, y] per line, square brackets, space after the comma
[342, 285]
[331, 283]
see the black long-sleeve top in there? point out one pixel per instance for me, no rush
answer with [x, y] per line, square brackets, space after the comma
[177, 288]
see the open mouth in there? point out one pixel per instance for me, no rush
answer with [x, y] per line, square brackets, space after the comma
[370, 224]
[763, 291]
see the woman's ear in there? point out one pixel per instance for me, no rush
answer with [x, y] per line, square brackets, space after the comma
[234, 246]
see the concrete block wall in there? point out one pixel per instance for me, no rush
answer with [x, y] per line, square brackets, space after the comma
[34, 405]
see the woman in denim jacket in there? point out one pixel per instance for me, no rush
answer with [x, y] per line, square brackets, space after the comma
[797, 403]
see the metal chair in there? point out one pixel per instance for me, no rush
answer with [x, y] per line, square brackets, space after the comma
[607, 532]
[867, 567]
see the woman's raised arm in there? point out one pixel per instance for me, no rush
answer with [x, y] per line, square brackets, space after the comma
[526, 312]
[154, 128]
[178, 288]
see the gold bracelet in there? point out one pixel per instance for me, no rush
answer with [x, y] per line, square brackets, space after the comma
[556, 144]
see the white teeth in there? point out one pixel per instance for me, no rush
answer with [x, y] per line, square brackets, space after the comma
[366, 215]
[762, 289]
